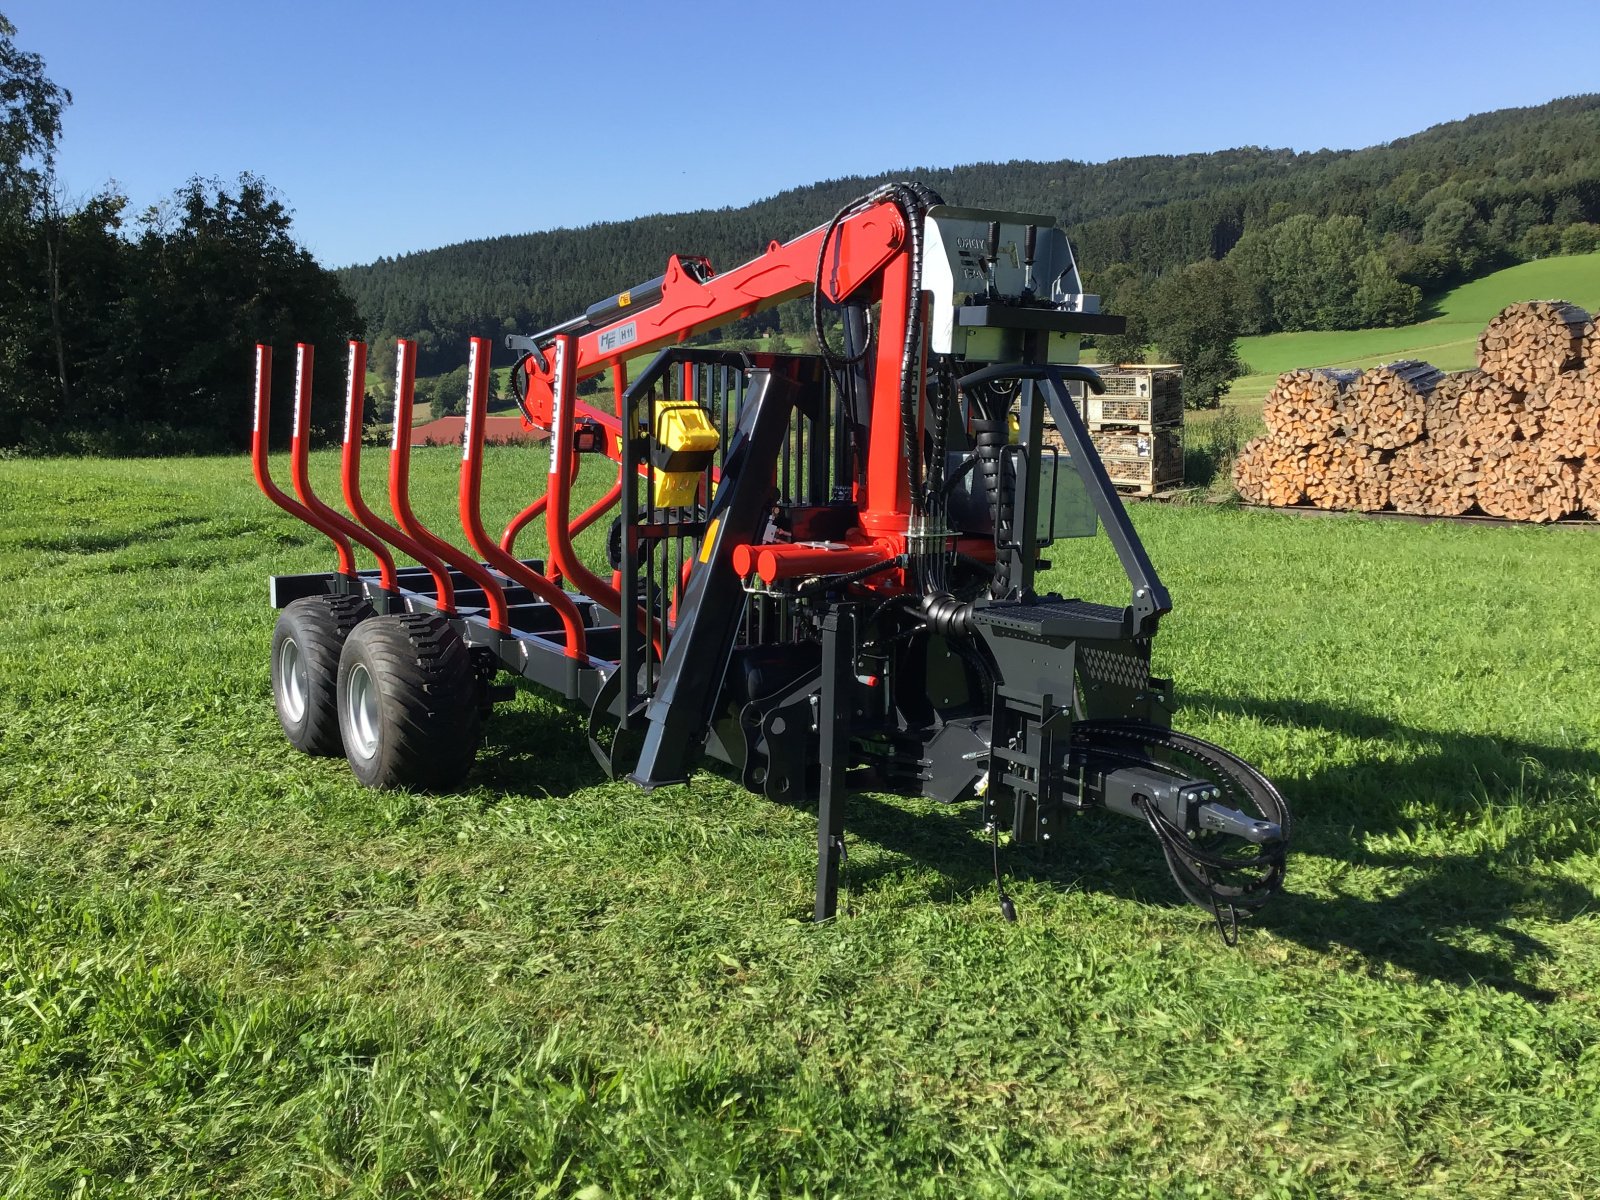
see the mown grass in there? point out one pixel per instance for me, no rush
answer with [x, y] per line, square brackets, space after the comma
[1447, 339]
[228, 970]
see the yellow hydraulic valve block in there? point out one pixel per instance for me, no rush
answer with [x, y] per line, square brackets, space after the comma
[682, 447]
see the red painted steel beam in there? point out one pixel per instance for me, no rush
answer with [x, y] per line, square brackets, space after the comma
[886, 500]
[350, 478]
[258, 458]
[860, 248]
[778, 561]
[470, 496]
[405, 389]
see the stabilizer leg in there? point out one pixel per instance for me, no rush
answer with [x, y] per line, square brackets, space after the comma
[838, 679]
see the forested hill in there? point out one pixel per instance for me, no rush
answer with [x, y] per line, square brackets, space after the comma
[1425, 211]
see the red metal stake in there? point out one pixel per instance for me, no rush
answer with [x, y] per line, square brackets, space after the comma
[350, 477]
[258, 458]
[405, 388]
[521, 521]
[472, 518]
[560, 533]
[300, 471]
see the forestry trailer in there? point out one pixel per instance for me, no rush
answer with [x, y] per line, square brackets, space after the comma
[823, 565]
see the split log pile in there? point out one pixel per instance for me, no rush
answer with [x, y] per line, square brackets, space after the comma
[1518, 437]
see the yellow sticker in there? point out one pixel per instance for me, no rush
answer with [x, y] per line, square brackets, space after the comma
[710, 544]
[625, 299]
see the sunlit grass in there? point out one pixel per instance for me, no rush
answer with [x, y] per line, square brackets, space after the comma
[1448, 339]
[227, 969]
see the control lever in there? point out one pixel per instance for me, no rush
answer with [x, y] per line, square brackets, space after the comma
[989, 260]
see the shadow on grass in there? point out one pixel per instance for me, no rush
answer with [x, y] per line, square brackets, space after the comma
[1445, 916]
[85, 541]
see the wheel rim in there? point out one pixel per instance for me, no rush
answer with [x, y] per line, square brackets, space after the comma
[292, 680]
[363, 693]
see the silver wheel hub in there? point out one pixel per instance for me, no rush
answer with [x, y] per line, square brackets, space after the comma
[362, 693]
[292, 685]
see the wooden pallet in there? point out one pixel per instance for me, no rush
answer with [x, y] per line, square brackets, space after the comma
[1142, 397]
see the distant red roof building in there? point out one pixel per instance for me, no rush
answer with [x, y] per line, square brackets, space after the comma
[446, 431]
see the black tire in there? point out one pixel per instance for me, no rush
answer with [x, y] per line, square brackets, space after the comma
[614, 544]
[306, 644]
[408, 703]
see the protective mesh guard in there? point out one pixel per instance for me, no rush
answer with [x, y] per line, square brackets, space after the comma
[1111, 666]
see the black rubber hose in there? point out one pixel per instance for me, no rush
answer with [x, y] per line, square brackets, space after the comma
[833, 581]
[860, 202]
[911, 352]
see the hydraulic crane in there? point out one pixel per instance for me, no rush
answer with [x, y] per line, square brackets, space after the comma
[824, 565]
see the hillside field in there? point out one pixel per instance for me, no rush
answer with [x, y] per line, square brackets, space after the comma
[227, 970]
[1448, 339]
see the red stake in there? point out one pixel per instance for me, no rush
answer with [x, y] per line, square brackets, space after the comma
[300, 471]
[556, 515]
[472, 517]
[350, 477]
[405, 389]
[258, 458]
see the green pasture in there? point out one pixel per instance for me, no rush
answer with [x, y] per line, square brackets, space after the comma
[227, 970]
[1448, 339]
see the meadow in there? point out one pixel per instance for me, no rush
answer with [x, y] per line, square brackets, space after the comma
[1447, 339]
[227, 970]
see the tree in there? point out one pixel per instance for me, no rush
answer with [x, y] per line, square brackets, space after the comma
[1293, 273]
[30, 123]
[217, 270]
[1337, 247]
[1251, 260]
[1381, 298]
[1581, 237]
[1196, 325]
[1454, 228]
[1309, 274]
[447, 396]
[1124, 294]
[1540, 242]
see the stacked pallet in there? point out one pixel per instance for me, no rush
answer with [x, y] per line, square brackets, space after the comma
[1518, 437]
[1136, 426]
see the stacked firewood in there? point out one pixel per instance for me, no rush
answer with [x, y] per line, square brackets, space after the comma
[1518, 437]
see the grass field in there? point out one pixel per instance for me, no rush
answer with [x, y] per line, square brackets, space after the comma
[1448, 339]
[227, 970]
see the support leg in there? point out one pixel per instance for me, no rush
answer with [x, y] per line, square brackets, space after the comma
[838, 691]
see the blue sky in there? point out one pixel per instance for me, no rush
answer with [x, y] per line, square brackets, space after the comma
[402, 126]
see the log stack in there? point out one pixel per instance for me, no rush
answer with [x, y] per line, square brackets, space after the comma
[1589, 486]
[1573, 414]
[1385, 406]
[1274, 474]
[1529, 345]
[1518, 437]
[1525, 482]
[1308, 407]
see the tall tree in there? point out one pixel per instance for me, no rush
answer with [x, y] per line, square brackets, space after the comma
[30, 123]
[217, 270]
[1196, 324]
